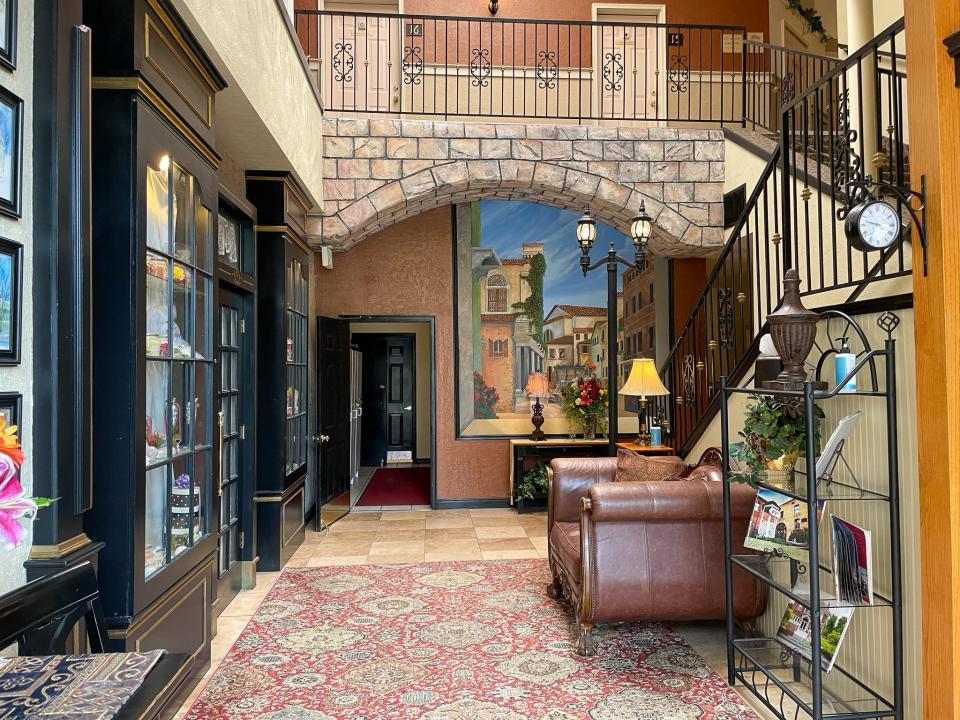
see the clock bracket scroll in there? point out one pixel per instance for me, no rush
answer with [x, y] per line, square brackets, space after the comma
[862, 192]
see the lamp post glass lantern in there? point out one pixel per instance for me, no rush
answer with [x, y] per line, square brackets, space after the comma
[641, 228]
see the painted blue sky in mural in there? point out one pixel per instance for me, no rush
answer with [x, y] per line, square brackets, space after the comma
[506, 225]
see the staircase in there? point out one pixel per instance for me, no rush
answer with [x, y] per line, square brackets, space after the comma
[831, 137]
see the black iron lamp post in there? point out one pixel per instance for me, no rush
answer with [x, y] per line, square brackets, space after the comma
[641, 228]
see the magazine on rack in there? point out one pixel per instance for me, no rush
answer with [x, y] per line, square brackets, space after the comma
[852, 562]
[779, 524]
[795, 630]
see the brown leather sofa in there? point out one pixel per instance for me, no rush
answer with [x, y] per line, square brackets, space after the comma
[635, 551]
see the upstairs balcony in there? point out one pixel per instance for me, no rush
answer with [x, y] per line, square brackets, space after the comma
[550, 70]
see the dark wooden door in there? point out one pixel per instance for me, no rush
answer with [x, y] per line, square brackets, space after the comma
[233, 353]
[399, 394]
[333, 441]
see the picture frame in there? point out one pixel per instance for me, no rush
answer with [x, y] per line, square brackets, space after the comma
[11, 289]
[8, 34]
[11, 408]
[11, 152]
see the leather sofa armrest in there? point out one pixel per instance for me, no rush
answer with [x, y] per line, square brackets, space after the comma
[666, 501]
[569, 479]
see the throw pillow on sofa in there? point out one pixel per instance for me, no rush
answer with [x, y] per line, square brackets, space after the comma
[632, 467]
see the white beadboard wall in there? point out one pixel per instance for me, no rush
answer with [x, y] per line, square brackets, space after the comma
[867, 649]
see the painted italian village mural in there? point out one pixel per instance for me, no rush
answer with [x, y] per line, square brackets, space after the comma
[525, 307]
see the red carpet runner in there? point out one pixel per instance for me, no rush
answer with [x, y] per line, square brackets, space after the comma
[398, 486]
[450, 641]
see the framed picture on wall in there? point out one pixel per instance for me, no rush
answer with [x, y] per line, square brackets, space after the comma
[8, 34]
[10, 407]
[11, 152]
[11, 276]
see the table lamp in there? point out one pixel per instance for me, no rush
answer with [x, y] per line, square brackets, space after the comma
[643, 382]
[538, 386]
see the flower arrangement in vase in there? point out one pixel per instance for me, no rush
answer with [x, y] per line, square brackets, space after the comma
[584, 402]
[14, 503]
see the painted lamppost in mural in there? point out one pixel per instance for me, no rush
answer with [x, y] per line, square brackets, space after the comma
[641, 228]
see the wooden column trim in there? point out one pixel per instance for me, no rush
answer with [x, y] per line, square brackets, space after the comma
[934, 113]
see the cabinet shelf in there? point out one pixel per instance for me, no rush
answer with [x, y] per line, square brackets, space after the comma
[765, 569]
[833, 490]
[779, 677]
[787, 683]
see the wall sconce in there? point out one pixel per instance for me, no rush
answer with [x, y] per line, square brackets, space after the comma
[493, 6]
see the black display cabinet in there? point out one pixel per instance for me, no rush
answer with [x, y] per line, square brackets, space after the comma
[155, 195]
[283, 292]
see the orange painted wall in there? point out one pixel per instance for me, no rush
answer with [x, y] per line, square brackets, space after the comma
[407, 269]
[689, 276]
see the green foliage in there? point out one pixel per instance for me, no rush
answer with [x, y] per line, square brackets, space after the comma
[533, 484]
[484, 399]
[800, 537]
[812, 20]
[773, 431]
[831, 634]
[532, 307]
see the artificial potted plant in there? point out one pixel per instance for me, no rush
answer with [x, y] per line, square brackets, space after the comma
[773, 438]
[530, 493]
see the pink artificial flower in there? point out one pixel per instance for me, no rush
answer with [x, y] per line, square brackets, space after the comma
[14, 504]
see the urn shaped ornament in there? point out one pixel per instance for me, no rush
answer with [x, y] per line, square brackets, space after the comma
[793, 330]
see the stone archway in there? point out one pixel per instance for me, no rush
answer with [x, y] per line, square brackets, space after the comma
[379, 172]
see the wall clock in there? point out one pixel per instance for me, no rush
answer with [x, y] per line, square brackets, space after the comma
[873, 225]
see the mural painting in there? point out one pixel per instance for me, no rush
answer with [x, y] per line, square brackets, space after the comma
[525, 307]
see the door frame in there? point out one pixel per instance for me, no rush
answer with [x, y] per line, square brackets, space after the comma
[597, 11]
[431, 322]
[413, 414]
[246, 510]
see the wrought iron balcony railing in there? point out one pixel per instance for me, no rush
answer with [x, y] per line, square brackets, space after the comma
[562, 70]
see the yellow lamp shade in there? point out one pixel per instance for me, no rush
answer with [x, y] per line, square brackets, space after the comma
[537, 385]
[644, 380]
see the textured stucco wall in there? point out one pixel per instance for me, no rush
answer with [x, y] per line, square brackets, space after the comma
[268, 91]
[20, 378]
[407, 270]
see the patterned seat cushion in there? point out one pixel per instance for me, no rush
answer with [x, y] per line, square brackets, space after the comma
[632, 467]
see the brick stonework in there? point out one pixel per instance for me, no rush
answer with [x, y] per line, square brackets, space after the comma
[379, 172]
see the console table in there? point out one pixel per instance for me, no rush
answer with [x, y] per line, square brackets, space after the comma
[647, 449]
[525, 454]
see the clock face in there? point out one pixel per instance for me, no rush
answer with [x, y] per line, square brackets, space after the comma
[878, 225]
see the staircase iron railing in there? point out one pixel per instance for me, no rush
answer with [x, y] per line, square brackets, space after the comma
[845, 125]
[774, 77]
[743, 287]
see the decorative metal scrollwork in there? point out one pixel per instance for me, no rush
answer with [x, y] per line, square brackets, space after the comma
[547, 70]
[689, 380]
[412, 65]
[847, 165]
[888, 322]
[343, 62]
[725, 317]
[678, 73]
[612, 71]
[480, 67]
[788, 88]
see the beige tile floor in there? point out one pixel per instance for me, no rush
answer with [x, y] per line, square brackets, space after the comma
[425, 536]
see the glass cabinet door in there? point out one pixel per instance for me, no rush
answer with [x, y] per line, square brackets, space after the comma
[296, 365]
[178, 382]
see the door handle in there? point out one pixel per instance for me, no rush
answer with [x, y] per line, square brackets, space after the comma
[408, 407]
[220, 443]
[321, 438]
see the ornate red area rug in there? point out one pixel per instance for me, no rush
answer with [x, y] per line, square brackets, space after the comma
[450, 641]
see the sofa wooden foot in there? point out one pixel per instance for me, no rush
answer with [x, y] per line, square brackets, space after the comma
[586, 645]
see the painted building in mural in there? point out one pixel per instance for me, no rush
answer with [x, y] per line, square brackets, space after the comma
[508, 346]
